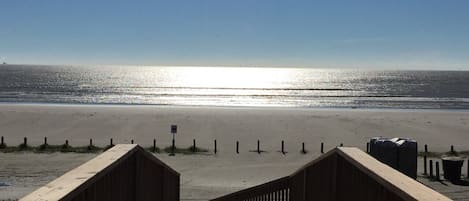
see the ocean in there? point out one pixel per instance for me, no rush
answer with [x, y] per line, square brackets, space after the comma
[226, 86]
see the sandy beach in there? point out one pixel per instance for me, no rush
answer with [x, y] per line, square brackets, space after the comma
[203, 176]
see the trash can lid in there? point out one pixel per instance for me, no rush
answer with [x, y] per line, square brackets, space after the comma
[452, 158]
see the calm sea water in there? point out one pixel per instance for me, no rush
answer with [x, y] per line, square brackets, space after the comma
[217, 86]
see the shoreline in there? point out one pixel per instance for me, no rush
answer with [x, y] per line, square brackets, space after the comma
[230, 107]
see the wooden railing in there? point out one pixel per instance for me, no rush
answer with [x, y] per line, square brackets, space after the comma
[339, 175]
[123, 173]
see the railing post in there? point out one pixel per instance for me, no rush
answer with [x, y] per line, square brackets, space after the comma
[426, 148]
[303, 148]
[237, 147]
[154, 145]
[66, 143]
[45, 141]
[110, 142]
[437, 171]
[367, 147]
[25, 141]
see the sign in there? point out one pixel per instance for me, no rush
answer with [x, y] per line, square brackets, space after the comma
[174, 129]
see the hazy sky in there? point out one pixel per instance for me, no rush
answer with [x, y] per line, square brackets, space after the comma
[424, 34]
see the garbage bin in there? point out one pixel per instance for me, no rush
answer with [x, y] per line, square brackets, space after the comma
[452, 168]
[398, 153]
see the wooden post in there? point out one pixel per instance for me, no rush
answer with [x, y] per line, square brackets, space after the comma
[467, 168]
[110, 142]
[425, 165]
[431, 168]
[426, 148]
[154, 145]
[215, 144]
[437, 171]
[66, 143]
[452, 149]
[341, 144]
[173, 148]
[25, 141]
[367, 147]
[258, 147]
[283, 147]
[2, 141]
[303, 148]
[237, 147]
[193, 145]
[45, 140]
[322, 147]
[132, 141]
[91, 142]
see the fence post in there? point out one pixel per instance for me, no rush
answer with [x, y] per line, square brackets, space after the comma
[110, 142]
[322, 147]
[66, 143]
[258, 147]
[215, 144]
[467, 175]
[193, 145]
[2, 144]
[154, 145]
[132, 141]
[425, 165]
[237, 147]
[45, 140]
[437, 171]
[426, 148]
[431, 168]
[452, 149]
[2, 141]
[367, 147]
[303, 148]
[341, 145]
[25, 141]
[283, 147]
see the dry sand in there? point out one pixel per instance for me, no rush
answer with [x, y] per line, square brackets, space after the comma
[208, 176]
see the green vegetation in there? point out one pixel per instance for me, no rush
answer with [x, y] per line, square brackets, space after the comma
[189, 150]
[65, 148]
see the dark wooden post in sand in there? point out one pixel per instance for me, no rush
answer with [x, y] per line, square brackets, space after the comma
[2, 142]
[452, 149]
[322, 147]
[258, 147]
[110, 142]
[66, 143]
[154, 145]
[437, 171]
[426, 148]
[215, 144]
[283, 147]
[193, 145]
[132, 141]
[237, 147]
[467, 175]
[303, 148]
[425, 165]
[25, 141]
[367, 147]
[45, 141]
[431, 168]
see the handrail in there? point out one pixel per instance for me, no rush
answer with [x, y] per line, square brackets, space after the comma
[126, 172]
[344, 173]
[280, 185]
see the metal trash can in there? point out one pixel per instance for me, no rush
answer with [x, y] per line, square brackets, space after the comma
[452, 168]
[398, 153]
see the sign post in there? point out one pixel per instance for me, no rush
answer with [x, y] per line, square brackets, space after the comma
[174, 130]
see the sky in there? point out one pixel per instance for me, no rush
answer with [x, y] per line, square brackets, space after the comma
[398, 34]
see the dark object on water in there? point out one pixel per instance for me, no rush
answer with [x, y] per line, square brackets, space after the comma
[399, 153]
[452, 168]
